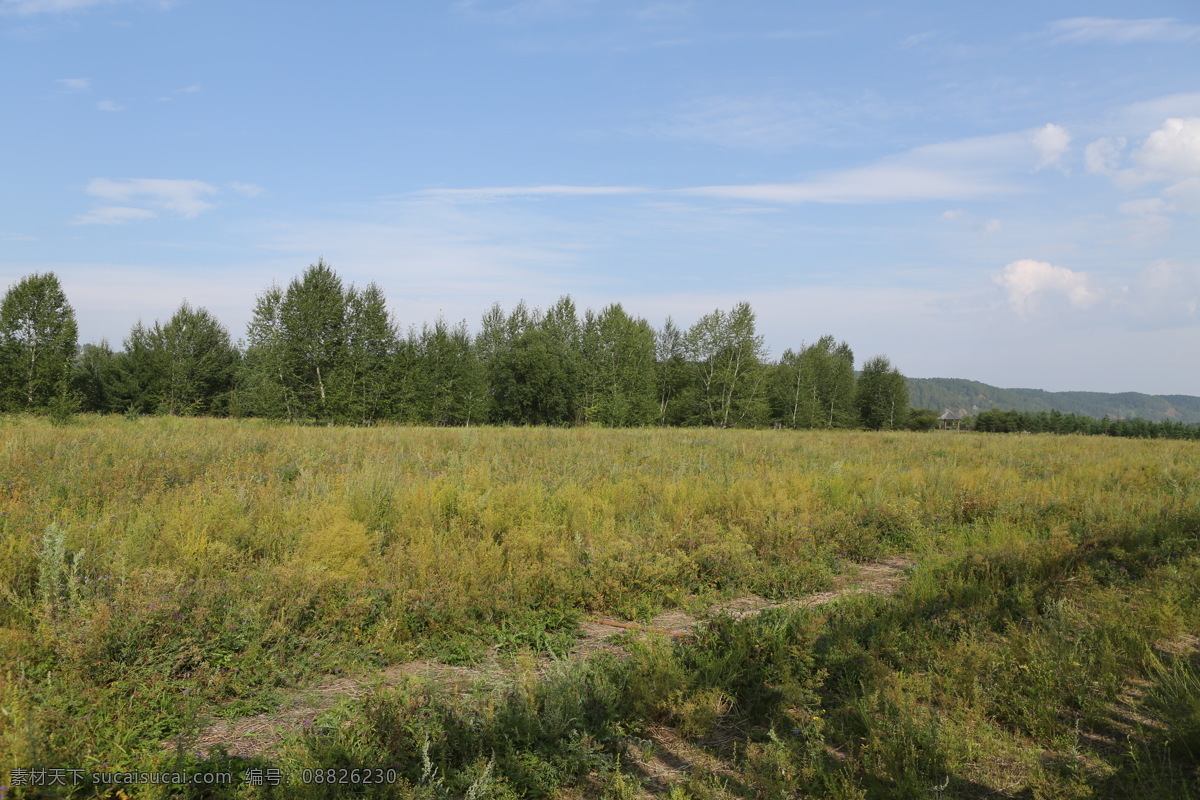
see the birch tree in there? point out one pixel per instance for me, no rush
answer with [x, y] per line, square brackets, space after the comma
[728, 356]
[38, 340]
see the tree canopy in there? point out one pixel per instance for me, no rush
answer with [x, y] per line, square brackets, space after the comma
[38, 339]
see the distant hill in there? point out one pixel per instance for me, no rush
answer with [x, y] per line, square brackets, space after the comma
[973, 396]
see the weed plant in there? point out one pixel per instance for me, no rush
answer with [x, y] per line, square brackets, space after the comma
[155, 572]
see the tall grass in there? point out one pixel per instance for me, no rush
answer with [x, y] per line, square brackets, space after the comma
[154, 568]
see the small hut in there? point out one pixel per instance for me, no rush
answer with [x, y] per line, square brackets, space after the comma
[948, 417]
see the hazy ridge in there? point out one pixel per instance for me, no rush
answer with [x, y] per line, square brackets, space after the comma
[973, 396]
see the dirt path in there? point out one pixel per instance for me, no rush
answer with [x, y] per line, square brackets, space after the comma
[258, 735]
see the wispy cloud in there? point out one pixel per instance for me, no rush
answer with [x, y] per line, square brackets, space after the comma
[880, 183]
[1164, 294]
[1103, 156]
[25, 8]
[184, 198]
[956, 170]
[1169, 155]
[767, 123]
[519, 12]
[1122, 31]
[75, 84]
[247, 189]
[109, 105]
[114, 215]
[661, 12]
[486, 194]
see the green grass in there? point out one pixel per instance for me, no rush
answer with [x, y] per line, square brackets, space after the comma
[157, 571]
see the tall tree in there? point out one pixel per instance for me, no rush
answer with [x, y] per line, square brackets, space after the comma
[728, 356]
[312, 317]
[881, 395]
[452, 388]
[619, 380]
[673, 377]
[826, 373]
[370, 341]
[264, 370]
[317, 350]
[198, 362]
[533, 363]
[38, 341]
[792, 404]
[101, 379]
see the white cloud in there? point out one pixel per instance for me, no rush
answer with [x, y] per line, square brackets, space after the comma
[951, 214]
[1103, 156]
[1051, 143]
[1123, 31]
[1169, 155]
[183, 197]
[248, 189]
[485, 194]
[109, 105]
[1027, 282]
[1137, 118]
[114, 215]
[992, 226]
[1172, 151]
[75, 84]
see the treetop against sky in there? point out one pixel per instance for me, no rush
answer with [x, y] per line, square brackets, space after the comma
[1006, 193]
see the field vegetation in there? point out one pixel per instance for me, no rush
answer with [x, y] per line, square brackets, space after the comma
[159, 572]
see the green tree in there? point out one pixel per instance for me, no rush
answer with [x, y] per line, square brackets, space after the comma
[881, 395]
[619, 381]
[793, 404]
[369, 340]
[264, 369]
[826, 373]
[534, 364]
[728, 357]
[312, 317]
[674, 390]
[319, 351]
[38, 341]
[184, 367]
[450, 387]
[100, 378]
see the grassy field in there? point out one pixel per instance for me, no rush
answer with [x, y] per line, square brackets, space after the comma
[157, 573]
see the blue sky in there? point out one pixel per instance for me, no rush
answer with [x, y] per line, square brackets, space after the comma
[1004, 192]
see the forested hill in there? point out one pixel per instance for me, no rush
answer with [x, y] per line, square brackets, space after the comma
[973, 396]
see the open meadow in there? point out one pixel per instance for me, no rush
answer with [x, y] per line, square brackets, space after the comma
[160, 575]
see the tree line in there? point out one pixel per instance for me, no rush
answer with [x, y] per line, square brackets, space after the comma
[996, 421]
[319, 350]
